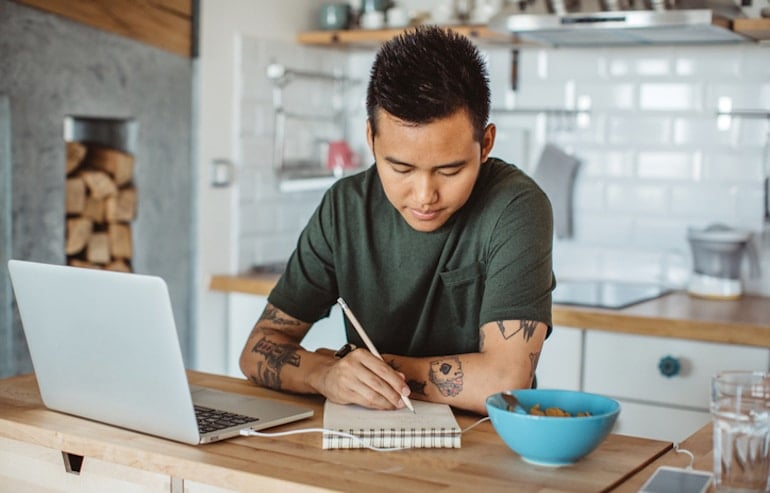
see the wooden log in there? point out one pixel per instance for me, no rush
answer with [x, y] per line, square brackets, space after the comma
[79, 231]
[75, 195]
[98, 249]
[75, 154]
[94, 209]
[118, 265]
[120, 240]
[117, 163]
[121, 207]
[99, 184]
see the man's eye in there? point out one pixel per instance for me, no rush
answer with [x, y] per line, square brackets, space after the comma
[450, 171]
[402, 169]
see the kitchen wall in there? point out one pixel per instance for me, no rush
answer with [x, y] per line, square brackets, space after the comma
[51, 68]
[655, 158]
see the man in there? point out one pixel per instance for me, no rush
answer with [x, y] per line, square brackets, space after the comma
[443, 254]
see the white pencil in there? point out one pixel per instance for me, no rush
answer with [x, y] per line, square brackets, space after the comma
[367, 341]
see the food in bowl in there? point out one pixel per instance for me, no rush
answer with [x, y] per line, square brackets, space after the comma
[552, 440]
[553, 411]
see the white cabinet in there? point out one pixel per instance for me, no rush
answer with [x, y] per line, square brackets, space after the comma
[661, 383]
[561, 360]
[28, 467]
[245, 309]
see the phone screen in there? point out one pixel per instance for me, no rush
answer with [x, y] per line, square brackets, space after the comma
[674, 480]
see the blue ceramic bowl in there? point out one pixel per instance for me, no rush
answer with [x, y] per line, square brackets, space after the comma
[553, 441]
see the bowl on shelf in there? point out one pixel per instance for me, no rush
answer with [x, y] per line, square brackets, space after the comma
[552, 440]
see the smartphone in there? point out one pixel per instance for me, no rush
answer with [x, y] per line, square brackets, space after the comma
[677, 480]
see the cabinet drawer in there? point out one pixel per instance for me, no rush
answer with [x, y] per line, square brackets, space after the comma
[29, 467]
[560, 361]
[658, 422]
[624, 365]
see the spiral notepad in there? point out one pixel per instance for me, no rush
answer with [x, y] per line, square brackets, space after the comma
[430, 426]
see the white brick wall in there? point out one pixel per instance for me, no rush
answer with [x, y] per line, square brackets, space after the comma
[654, 160]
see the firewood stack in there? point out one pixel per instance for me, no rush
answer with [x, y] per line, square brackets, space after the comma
[100, 205]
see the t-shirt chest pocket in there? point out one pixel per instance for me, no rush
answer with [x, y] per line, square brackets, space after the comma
[463, 292]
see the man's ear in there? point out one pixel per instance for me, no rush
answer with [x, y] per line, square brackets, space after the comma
[488, 141]
[370, 135]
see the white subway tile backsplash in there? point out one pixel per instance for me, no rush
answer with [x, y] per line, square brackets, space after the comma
[653, 67]
[574, 260]
[707, 63]
[575, 64]
[665, 165]
[739, 166]
[600, 162]
[669, 96]
[709, 202]
[634, 198]
[666, 234]
[744, 95]
[633, 264]
[604, 96]
[636, 130]
[700, 132]
[603, 229]
[653, 159]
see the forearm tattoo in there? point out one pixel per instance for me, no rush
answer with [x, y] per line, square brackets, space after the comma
[273, 315]
[447, 376]
[417, 387]
[526, 327]
[275, 356]
[414, 385]
[533, 359]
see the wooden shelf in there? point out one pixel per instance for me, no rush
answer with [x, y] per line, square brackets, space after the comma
[756, 29]
[367, 38]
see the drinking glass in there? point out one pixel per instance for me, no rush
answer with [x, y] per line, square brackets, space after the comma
[740, 408]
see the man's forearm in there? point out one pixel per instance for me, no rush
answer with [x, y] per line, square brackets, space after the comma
[273, 357]
[274, 361]
[463, 380]
[507, 359]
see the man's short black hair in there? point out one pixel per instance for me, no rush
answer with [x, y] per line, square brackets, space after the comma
[429, 73]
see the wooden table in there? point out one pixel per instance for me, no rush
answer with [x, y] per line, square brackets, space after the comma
[701, 445]
[676, 314]
[297, 463]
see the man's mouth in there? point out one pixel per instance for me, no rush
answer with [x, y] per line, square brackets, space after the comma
[425, 215]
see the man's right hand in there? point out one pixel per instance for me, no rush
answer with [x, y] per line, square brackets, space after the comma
[360, 378]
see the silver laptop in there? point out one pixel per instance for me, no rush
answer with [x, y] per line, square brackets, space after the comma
[104, 346]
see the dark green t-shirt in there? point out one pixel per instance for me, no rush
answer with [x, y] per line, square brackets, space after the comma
[425, 294]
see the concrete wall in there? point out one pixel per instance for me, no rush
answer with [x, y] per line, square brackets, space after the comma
[53, 67]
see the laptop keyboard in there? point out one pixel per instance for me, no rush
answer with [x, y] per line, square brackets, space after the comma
[216, 419]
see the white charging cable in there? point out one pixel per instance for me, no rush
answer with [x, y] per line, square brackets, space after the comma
[248, 432]
[686, 452]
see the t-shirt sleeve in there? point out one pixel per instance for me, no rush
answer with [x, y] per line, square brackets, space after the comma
[519, 270]
[308, 288]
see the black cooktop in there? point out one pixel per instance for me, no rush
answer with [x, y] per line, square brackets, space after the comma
[605, 294]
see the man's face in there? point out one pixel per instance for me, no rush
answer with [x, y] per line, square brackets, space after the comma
[428, 171]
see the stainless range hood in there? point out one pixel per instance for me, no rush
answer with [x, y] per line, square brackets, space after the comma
[618, 23]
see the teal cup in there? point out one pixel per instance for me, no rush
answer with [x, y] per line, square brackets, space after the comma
[334, 16]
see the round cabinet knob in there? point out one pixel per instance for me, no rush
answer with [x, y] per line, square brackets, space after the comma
[669, 366]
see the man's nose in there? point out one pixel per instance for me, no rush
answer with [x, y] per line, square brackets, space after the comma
[426, 190]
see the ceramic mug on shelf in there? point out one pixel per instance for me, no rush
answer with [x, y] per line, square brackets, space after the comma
[334, 16]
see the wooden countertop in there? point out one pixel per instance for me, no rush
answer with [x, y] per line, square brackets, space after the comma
[677, 314]
[298, 463]
[700, 444]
